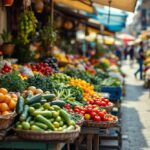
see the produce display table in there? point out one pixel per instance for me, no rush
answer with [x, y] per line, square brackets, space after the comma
[13, 142]
[91, 138]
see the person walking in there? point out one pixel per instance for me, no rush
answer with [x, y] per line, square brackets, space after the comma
[140, 59]
[125, 52]
[131, 54]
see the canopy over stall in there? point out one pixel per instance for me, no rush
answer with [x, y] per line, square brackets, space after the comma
[115, 21]
[86, 5]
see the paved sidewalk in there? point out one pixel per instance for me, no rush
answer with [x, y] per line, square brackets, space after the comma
[135, 114]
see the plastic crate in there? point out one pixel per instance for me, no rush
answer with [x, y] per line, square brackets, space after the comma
[115, 93]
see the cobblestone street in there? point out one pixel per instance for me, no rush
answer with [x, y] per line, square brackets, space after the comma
[135, 114]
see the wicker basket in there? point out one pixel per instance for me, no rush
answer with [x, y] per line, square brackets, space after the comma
[7, 120]
[101, 124]
[108, 108]
[46, 135]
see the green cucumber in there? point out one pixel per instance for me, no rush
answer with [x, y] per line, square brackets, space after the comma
[49, 96]
[45, 113]
[43, 101]
[44, 120]
[36, 128]
[36, 105]
[31, 110]
[25, 125]
[19, 126]
[30, 94]
[56, 107]
[20, 105]
[41, 125]
[46, 106]
[65, 116]
[25, 113]
[59, 103]
[34, 99]
[32, 122]
[29, 118]
[41, 108]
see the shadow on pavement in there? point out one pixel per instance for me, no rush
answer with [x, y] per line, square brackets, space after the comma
[132, 128]
[134, 92]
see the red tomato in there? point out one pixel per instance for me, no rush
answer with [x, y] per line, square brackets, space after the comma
[89, 110]
[103, 104]
[82, 112]
[101, 114]
[93, 114]
[97, 102]
[106, 101]
[91, 102]
[97, 118]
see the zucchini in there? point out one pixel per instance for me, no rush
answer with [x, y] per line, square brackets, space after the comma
[25, 125]
[65, 116]
[44, 120]
[20, 105]
[41, 125]
[47, 114]
[56, 107]
[19, 126]
[41, 108]
[46, 106]
[36, 128]
[31, 110]
[30, 94]
[34, 99]
[25, 113]
[43, 101]
[29, 119]
[60, 103]
[49, 96]
[36, 105]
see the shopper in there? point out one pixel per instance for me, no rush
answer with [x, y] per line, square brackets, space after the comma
[118, 53]
[125, 52]
[131, 54]
[140, 59]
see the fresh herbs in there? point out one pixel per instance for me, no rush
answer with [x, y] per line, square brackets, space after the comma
[12, 82]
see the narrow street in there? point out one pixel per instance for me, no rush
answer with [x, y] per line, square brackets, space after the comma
[135, 113]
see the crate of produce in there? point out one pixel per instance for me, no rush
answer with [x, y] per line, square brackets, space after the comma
[7, 120]
[115, 93]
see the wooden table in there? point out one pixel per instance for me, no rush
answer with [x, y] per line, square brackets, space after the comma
[91, 138]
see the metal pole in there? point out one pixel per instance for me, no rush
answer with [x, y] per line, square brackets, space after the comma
[109, 11]
[52, 11]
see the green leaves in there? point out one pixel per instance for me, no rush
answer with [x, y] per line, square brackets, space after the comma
[12, 82]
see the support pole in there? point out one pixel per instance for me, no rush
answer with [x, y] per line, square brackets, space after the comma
[52, 11]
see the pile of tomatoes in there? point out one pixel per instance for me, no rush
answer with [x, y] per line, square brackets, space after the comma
[91, 112]
[43, 68]
[102, 102]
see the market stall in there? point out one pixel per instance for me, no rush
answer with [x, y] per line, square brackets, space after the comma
[50, 96]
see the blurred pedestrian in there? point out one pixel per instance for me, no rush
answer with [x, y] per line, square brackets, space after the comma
[131, 54]
[118, 53]
[125, 52]
[140, 59]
